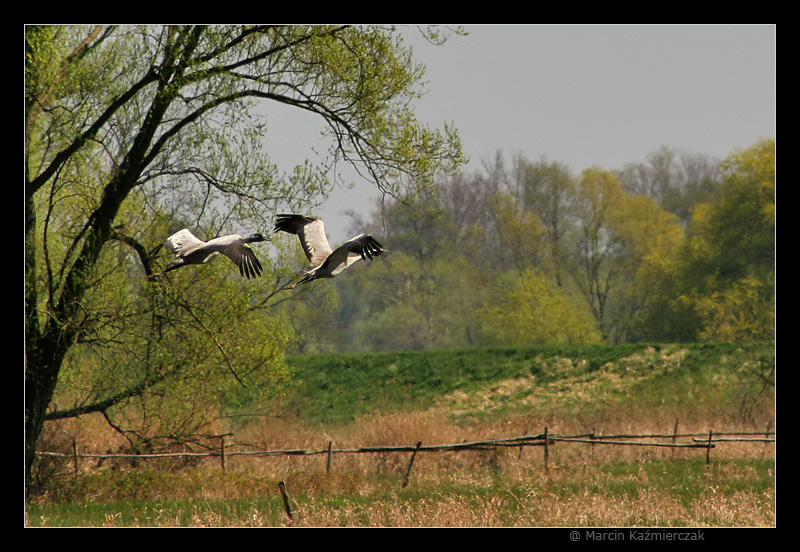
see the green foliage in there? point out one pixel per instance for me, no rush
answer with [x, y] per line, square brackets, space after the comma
[533, 311]
[728, 265]
[191, 339]
[520, 256]
[743, 312]
[413, 303]
[624, 246]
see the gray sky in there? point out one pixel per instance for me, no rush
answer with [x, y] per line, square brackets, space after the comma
[588, 95]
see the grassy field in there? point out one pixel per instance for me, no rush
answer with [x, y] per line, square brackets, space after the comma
[447, 397]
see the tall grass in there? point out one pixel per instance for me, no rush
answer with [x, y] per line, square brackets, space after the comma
[658, 493]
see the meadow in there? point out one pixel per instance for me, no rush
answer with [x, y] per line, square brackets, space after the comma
[444, 397]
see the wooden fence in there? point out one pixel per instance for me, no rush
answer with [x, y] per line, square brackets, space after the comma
[706, 441]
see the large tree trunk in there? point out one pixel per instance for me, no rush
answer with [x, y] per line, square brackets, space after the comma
[45, 348]
[42, 365]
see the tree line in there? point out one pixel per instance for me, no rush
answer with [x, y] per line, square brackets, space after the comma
[679, 247]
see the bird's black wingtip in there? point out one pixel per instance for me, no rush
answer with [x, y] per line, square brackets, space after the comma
[291, 223]
[283, 222]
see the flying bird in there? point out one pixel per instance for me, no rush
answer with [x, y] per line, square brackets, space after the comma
[325, 262]
[190, 250]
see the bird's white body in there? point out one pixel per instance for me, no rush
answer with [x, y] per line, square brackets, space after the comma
[189, 249]
[324, 261]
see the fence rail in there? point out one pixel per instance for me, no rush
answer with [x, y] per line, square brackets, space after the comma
[705, 441]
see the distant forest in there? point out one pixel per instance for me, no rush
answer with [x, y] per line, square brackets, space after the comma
[677, 248]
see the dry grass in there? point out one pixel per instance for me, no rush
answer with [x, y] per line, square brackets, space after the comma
[582, 485]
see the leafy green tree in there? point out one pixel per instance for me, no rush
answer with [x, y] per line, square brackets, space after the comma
[417, 305]
[519, 234]
[130, 131]
[158, 361]
[424, 293]
[311, 311]
[729, 260]
[624, 250]
[741, 312]
[534, 311]
[548, 189]
[596, 246]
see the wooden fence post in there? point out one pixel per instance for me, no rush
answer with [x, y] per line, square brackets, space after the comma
[708, 450]
[328, 465]
[766, 436]
[222, 452]
[75, 458]
[546, 450]
[674, 436]
[411, 463]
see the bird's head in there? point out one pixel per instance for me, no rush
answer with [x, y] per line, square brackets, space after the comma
[256, 238]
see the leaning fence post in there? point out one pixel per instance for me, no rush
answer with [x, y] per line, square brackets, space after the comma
[411, 463]
[708, 449]
[285, 496]
[328, 465]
